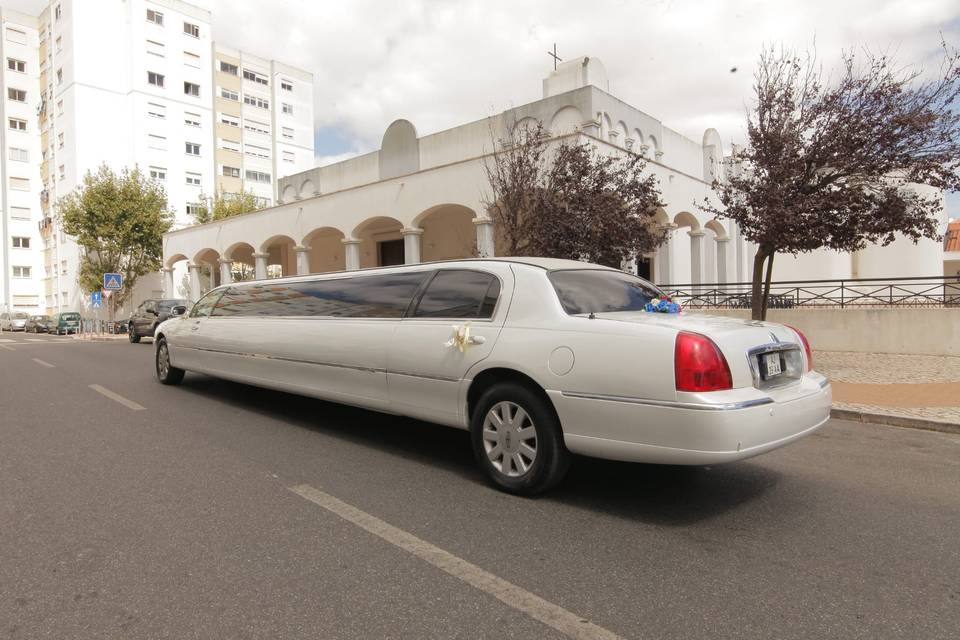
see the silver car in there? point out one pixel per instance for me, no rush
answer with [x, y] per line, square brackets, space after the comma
[13, 321]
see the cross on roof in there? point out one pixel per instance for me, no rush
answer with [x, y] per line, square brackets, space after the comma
[555, 57]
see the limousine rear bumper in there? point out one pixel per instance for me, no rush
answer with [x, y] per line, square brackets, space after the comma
[680, 433]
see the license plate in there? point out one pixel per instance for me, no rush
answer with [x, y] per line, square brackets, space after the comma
[771, 363]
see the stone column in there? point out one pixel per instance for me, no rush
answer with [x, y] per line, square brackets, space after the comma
[194, 270]
[303, 260]
[226, 276]
[168, 288]
[411, 245]
[696, 258]
[351, 253]
[485, 241]
[664, 275]
[722, 260]
[591, 128]
[260, 265]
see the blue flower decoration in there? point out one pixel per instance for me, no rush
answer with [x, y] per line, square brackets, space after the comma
[661, 306]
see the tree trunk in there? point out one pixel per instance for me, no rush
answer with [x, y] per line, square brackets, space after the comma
[756, 293]
[766, 285]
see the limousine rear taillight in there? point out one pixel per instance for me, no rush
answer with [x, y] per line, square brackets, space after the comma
[806, 347]
[699, 365]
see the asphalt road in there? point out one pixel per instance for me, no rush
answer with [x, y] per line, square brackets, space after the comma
[178, 521]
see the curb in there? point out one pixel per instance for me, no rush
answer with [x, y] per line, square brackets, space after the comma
[895, 421]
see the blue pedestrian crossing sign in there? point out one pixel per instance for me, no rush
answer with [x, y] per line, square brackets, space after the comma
[96, 299]
[113, 281]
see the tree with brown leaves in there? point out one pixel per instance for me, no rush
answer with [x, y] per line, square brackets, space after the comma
[836, 164]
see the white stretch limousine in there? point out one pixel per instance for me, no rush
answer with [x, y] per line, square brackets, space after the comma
[538, 358]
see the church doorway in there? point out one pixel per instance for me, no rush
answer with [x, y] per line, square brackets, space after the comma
[643, 268]
[390, 252]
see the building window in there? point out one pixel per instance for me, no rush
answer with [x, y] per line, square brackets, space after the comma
[288, 108]
[20, 184]
[60, 108]
[21, 272]
[155, 48]
[154, 78]
[16, 65]
[253, 76]
[59, 44]
[229, 145]
[256, 101]
[17, 95]
[191, 89]
[255, 151]
[20, 242]
[59, 141]
[155, 110]
[258, 176]
[226, 67]
[57, 12]
[288, 156]
[19, 155]
[59, 76]
[155, 17]
[191, 119]
[17, 124]
[193, 208]
[157, 142]
[193, 179]
[61, 172]
[231, 172]
[229, 95]
[191, 59]
[193, 149]
[227, 119]
[191, 29]
[286, 85]
[158, 173]
[16, 36]
[256, 127]
[20, 213]
[287, 133]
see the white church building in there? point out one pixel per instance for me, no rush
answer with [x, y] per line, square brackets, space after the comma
[420, 198]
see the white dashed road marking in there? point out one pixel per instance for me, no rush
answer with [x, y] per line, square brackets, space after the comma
[566, 622]
[6, 348]
[43, 363]
[130, 404]
[36, 339]
[6, 340]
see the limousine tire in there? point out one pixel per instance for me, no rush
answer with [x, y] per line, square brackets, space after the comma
[517, 440]
[166, 373]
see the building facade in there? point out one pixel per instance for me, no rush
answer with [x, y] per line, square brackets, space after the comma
[141, 83]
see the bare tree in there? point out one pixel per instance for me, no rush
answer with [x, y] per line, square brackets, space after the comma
[835, 164]
[569, 201]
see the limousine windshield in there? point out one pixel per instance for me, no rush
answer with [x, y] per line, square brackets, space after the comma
[420, 294]
[584, 291]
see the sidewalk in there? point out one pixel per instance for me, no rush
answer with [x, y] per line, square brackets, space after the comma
[907, 390]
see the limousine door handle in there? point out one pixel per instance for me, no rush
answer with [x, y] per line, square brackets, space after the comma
[477, 339]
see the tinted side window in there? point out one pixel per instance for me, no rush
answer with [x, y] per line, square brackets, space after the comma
[379, 296]
[598, 291]
[459, 294]
[205, 304]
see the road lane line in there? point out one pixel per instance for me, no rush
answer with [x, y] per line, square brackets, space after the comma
[3, 346]
[43, 362]
[36, 340]
[130, 404]
[566, 622]
[6, 340]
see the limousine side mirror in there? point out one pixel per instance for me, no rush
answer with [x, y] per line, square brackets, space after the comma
[178, 310]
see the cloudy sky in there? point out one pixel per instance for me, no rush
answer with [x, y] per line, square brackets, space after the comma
[440, 63]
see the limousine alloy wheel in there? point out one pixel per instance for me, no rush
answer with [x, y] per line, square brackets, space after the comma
[517, 440]
[166, 373]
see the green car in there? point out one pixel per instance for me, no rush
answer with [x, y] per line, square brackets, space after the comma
[65, 323]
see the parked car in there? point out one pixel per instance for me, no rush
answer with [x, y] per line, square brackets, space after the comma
[37, 324]
[537, 358]
[13, 321]
[65, 323]
[145, 318]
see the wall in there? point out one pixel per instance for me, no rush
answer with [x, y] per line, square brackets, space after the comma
[910, 331]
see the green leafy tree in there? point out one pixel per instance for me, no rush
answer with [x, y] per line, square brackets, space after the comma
[224, 205]
[118, 221]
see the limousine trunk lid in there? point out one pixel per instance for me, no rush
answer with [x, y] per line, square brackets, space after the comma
[744, 343]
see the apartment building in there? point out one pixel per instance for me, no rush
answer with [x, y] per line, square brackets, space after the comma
[21, 254]
[135, 82]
